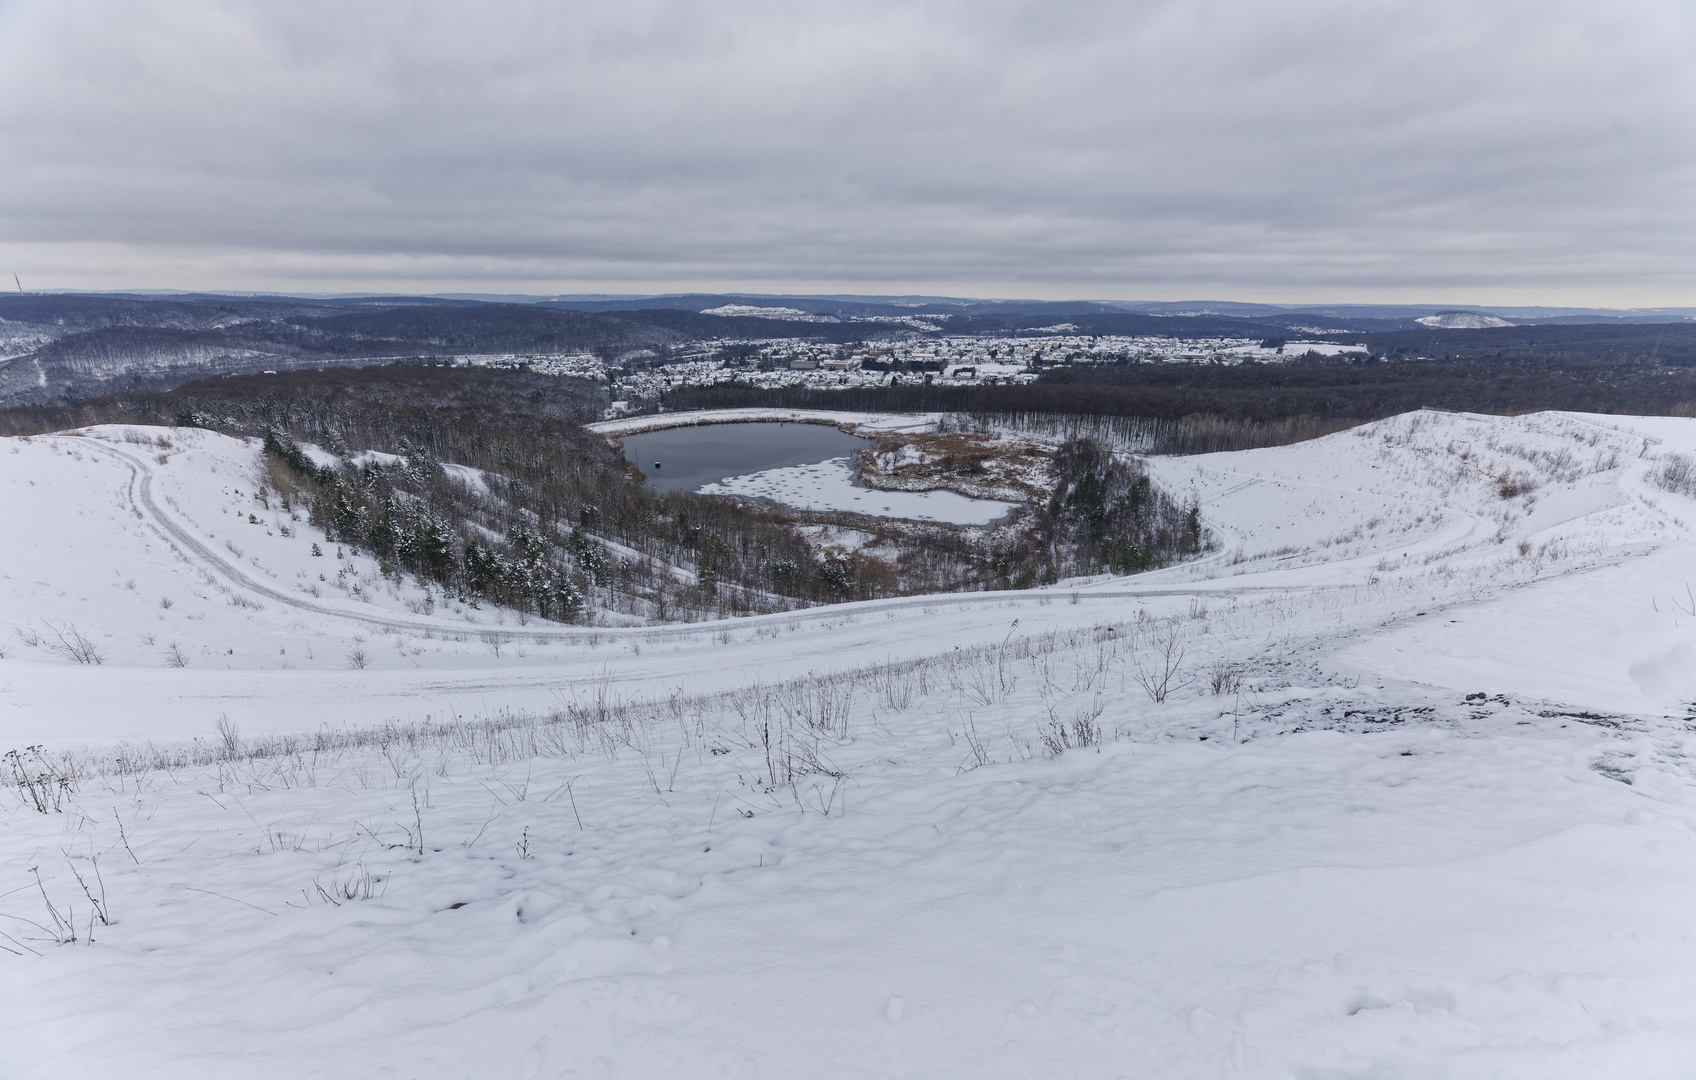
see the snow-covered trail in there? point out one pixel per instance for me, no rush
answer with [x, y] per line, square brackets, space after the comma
[141, 502]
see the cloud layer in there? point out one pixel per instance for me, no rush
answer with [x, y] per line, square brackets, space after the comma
[1509, 151]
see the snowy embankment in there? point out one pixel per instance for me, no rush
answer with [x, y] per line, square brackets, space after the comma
[1393, 783]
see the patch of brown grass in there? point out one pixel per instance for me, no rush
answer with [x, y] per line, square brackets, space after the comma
[980, 466]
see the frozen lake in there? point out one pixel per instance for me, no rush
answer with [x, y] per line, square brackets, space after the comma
[802, 466]
[688, 458]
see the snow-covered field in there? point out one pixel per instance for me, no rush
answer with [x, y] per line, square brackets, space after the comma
[1393, 783]
[833, 485]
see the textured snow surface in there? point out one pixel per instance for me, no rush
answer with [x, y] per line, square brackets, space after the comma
[831, 485]
[1439, 821]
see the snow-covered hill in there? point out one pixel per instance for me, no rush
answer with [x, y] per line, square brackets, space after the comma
[1572, 566]
[1391, 783]
[1462, 320]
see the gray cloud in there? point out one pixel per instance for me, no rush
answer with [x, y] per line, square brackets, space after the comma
[1509, 151]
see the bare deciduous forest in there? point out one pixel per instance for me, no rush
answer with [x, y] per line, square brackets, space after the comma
[1302, 399]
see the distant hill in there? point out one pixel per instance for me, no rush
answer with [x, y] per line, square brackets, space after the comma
[60, 347]
[1461, 320]
[72, 346]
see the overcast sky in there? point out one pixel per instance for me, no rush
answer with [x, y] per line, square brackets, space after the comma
[1477, 151]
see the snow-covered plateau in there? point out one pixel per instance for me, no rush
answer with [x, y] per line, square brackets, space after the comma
[1394, 781]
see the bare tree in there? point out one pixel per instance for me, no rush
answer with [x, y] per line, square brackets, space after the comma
[73, 644]
[1159, 674]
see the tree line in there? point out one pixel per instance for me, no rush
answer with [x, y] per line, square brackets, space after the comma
[1310, 397]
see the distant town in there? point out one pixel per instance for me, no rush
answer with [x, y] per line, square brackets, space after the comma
[637, 379]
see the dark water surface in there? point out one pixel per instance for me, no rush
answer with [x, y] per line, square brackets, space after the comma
[689, 457]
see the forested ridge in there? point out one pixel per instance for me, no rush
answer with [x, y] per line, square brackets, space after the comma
[1324, 392]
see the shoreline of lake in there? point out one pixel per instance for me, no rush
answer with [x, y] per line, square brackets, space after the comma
[804, 465]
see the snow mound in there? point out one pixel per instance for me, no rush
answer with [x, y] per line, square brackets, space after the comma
[1555, 508]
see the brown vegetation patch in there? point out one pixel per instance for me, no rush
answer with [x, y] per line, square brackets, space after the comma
[980, 466]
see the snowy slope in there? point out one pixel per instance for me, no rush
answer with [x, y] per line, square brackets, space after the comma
[1393, 782]
[1421, 497]
[136, 533]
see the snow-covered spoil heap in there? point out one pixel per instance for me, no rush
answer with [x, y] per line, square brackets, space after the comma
[1395, 783]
